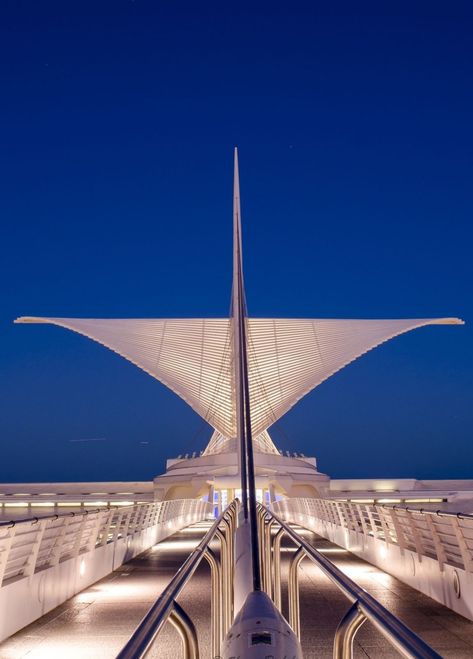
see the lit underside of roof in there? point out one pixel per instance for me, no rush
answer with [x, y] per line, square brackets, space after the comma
[286, 358]
[262, 443]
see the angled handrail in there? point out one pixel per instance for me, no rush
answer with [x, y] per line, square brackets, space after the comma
[365, 607]
[165, 606]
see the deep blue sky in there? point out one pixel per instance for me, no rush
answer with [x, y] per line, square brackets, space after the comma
[117, 124]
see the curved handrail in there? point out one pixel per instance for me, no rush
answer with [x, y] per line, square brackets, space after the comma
[144, 635]
[396, 632]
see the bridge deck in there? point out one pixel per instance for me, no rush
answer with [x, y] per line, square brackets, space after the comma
[97, 622]
[322, 606]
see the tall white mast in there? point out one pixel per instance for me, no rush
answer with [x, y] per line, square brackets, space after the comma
[238, 307]
[241, 384]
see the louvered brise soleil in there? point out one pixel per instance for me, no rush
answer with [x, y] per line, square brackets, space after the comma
[286, 358]
[262, 443]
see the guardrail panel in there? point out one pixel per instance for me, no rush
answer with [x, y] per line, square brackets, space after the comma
[443, 536]
[27, 546]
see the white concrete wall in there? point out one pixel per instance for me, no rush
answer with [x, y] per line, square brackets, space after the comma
[420, 572]
[25, 600]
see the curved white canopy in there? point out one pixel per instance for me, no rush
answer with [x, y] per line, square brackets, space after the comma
[286, 358]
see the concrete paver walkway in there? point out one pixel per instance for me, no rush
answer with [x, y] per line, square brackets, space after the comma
[96, 623]
[323, 605]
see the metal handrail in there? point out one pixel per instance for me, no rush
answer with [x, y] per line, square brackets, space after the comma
[72, 513]
[424, 511]
[165, 606]
[444, 536]
[78, 513]
[367, 607]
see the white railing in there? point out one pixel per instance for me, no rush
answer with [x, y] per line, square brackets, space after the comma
[34, 544]
[445, 537]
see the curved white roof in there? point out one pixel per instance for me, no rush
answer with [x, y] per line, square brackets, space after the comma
[286, 358]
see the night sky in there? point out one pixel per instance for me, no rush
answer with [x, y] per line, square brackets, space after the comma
[355, 133]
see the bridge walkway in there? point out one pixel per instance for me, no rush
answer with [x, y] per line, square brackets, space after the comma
[322, 606]
[96, 623]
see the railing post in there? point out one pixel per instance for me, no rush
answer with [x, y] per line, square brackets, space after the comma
[127, 523]
[140, 518]
[94, 532]
[398, 529]
[277, 567]
[340, 515]
[33, 557]
[351, 517]
[229, 536]
[374, 527]
[78, 539]
[59, 541]
[439, 548]
[144, 517]
[416, 535]
[465, 552]
[384, 525]
[346, 630]
[267, 562]
[7, 543]
[361, 515]
[216, 601]
[293, 587]
[226, 577]
[260, 522]
[118, 523]
[106, 528]
[186, 629]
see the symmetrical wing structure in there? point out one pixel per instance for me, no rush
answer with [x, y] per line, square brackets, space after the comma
[286, 358]
[200, 359]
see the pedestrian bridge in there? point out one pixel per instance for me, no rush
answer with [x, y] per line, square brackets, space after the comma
[253, 564]
[79, 585]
